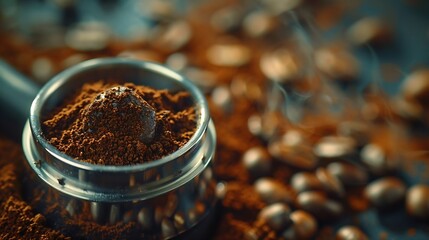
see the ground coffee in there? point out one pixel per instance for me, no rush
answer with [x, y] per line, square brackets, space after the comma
[110, 124]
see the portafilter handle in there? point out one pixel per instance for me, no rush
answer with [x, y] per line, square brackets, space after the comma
[16, 95]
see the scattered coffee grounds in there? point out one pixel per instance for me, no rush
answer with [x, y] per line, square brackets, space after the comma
[110, 124]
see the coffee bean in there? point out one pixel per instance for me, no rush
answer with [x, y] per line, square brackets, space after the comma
[299, 156]
[257, 161]
[330, 182]
[350, 233]
[115, 214]
[88, 36]
[167, 228]
[335, 147]
[281, 65]
[272, 191]
[42, 69]
[227, 19]
[221, 97]
[173, 36]
[377, 159]
[305, 181]
[408, 110]
[245, 86]
[359, 131]
[229, 54]
[369, 30]
[417, 201]
[145, 55]
[265, 125]
[221, 189]
[337, 63]
[145, 218]
[259, 23]
[304, 226]
[179, 221]
[349, 174]
[171, 206]
[319, 205]
[276, 216]
[385, 192]
[205, 80]
[74, 59]
[177, 61]
[278, 7]
[415, 87]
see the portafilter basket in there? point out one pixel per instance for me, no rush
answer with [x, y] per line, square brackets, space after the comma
[165, 197]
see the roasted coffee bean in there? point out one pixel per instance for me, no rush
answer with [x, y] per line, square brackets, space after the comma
[415, 87]
[299, 156]
[417, 201]
[337, 63]
[173, 36]
[221, 189]
[245, 86]
[205, 80]
[304, 226]
[272, 191]
[330, 182]
[179, 221]
[177, 61]
[74, 59]
[335, 147]
[99, 211]
[221, 97]
[350, 233]
[88, 36]
[369, 30]
[227, 19]
[408, 110]
[257, 161]
[305, 181]
[259, 23]
[115, 214]
[229, 54]
[278, 7]
[167, 228]
[359, 131]
[171, 206]
[146, 218]
[377, 159]
[42, 69]
[349, 174]
[281, 65]
[276, 216]
[385, 192]
[319, 205]
[265, 126]
[145, 55]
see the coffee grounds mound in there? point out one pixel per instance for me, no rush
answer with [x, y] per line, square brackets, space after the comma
[17, 218]
[110, 124]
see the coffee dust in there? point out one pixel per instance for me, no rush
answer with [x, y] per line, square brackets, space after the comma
[110, 124]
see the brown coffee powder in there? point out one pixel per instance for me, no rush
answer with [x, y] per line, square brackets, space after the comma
[110, 124]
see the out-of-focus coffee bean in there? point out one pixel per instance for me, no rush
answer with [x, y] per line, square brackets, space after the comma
[304, 226]
[195, 213]
[265, 126]
[167, 228]
[272, 191]
[299, 156]
[227, 19]
[88, 36]
[171, 206]
[42, 69]
[259, 23]
[293, 138]
[145, 55]
[74, 59]
[221, 97]
[337, 63]
[205, 80]
[229, 54]
[177, 61]
[173, 36]
[350, 233]
[415, 87]
[278, 7]
[158, 215]
[348, 174]
[359, 131]
[221, 189]
[385, 192]
[319, 205]
[417, 201]
[276, 216]
[369, 30]
[247, 87]
[335, 147]
[281, 65]
[257, 161]
[377, 159]
[115, 214]
[305, 181]
[145, 218]
[158, 10]
[330, 182]
[408, 110]
[179, 221]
